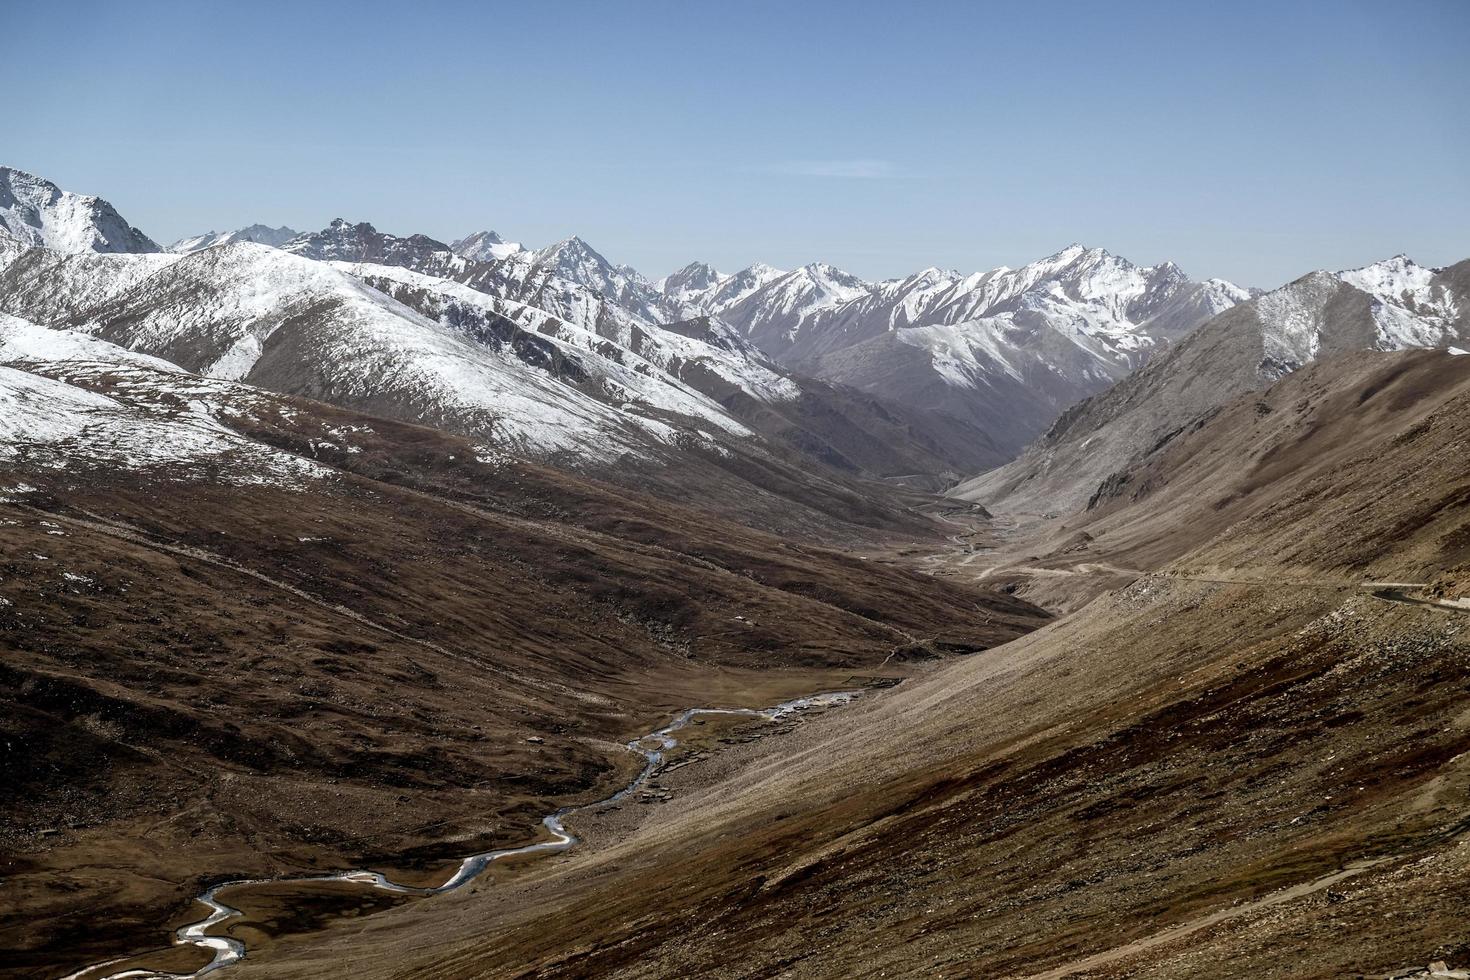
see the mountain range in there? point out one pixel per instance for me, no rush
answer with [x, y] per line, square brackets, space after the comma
[954, 373]
[1002, 352]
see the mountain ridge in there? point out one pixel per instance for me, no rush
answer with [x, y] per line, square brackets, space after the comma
[1243, 349]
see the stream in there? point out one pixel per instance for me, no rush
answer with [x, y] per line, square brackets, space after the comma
[227, 950]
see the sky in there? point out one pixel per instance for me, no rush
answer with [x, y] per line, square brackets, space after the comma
[1251, 141]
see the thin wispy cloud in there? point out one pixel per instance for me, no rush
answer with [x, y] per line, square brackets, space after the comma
[850, 169]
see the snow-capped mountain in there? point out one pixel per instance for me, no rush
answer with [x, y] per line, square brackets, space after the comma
[688, 290]
[349, 315]
[947, 366]
[1389, 305]
[1007, 349]
[37, 212]
[735, 287]
[1103, 300]
[1412, 306]
[695, 279]
[485, 246]
[260, 234]
[772, 314]
[573, 260]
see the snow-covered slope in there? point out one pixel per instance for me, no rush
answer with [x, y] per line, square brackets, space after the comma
[72, 402]
[261, 234]
[1412, 306]
[47, 286]
[486, 246]
[299, 326]
[651, 351]
[37, 212]
[648, 376]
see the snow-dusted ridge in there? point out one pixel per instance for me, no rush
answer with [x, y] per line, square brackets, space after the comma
[1410, 308]
[260, 234]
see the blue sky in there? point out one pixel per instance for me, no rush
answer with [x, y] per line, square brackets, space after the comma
[1251, 141]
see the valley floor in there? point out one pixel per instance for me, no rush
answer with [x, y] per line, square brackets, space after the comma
[1241, 775]
[409, 664]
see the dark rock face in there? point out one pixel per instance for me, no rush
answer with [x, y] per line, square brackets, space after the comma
[342, 241]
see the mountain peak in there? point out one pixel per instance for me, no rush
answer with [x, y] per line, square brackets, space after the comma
[692, 278]
[572, 250]
[485, 246]
[826, 273]
[37, 212]
[1397, 280]
[577, 244]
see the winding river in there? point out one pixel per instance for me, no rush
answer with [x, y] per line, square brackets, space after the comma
[227, 950]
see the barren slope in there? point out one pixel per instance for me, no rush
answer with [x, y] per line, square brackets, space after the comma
[1241, 765]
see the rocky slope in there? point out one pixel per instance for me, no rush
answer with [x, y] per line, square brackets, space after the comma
[1274, 476]
[1390, 305]
[37, 212]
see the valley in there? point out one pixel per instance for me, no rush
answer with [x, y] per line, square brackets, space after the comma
[382, 607]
